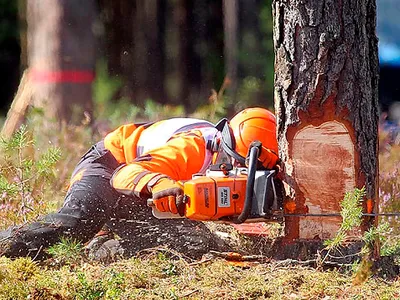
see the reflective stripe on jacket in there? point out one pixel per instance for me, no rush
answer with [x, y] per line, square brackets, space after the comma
[175, 148]
[160, 132]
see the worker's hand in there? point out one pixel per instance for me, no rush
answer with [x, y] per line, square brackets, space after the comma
[168, 196]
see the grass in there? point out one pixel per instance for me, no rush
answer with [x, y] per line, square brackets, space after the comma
[156, 277]
[66, 251]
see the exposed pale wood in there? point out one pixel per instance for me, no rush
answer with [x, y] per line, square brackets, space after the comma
[324, 160]
[17, 111]
[326, 78]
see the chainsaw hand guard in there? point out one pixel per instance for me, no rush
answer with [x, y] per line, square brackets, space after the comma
[252, 165]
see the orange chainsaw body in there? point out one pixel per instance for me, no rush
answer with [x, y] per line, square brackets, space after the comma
[214, 197]
[231, 194]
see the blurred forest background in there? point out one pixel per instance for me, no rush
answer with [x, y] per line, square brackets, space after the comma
[166, 52]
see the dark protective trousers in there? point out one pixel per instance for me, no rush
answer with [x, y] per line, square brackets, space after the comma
[90, 203]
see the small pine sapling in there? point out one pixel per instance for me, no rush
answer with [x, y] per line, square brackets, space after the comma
[26, 176]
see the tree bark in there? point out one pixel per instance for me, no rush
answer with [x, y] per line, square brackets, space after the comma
[155, 25]
[231, 45]
[189, 61]
[61, 56]
[117, 19]
[208, 27]
[326, 103]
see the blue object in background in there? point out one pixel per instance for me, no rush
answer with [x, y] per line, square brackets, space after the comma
[388, 31]
[389, 54]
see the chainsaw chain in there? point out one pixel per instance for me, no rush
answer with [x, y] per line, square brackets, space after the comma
[337, 215]
[277, 216]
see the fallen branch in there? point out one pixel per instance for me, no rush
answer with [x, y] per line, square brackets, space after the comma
[176, 254]
[234, 256]
[199, 262]
[310, 262]
[189, 293]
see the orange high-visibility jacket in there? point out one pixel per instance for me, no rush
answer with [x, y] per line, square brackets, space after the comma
[175, 148]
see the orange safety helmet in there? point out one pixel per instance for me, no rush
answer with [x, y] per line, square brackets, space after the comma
[253, 124]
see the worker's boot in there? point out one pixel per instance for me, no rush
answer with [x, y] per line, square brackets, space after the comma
[33, 239]
[12, 244]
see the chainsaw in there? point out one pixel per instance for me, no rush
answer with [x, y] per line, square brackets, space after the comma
[232, 194]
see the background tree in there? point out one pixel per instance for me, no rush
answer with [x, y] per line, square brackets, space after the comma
[231, 45]
[9, 52]
[175, 52]
[171, 52]
[61, 55]
[327, 106]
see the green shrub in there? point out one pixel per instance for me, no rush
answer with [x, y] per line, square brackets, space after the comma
[27, 175]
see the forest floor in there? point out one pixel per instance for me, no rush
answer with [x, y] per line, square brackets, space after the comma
[164, 274]
[264, 269]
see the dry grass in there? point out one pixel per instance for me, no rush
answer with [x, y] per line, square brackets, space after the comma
[156, 277]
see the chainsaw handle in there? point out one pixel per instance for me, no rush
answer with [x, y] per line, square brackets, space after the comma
[251, 176]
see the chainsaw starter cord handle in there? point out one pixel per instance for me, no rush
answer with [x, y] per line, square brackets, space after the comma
[251, 176]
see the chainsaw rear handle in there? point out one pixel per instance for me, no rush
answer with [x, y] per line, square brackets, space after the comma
[254, 152]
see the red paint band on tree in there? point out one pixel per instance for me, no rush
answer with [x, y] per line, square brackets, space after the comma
[67, 76]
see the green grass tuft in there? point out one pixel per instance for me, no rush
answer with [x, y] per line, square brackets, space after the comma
[66, 251]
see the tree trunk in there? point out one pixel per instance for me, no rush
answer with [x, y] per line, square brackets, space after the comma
[327, 106]
[155, 27]
[189, 61]
[61, 56]
[117, 19]
[231, 45]
[208, 26]
[140, 74]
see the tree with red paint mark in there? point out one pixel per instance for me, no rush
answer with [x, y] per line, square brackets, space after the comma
[61, 56]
